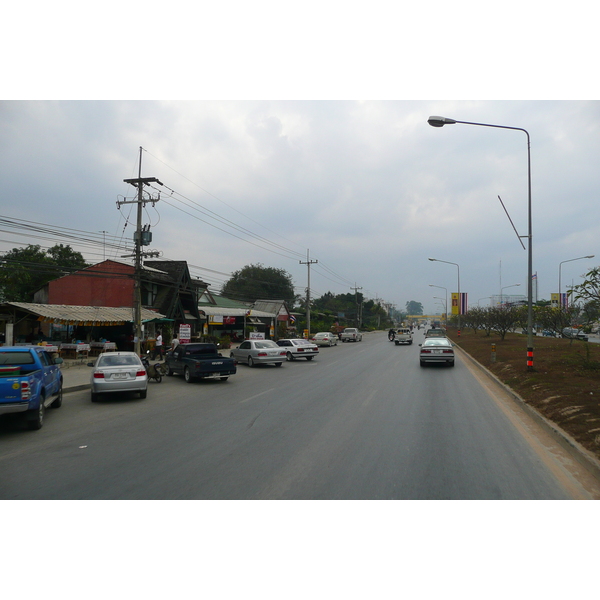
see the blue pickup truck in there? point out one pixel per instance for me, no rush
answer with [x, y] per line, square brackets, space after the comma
[199, 361]
[30, 381]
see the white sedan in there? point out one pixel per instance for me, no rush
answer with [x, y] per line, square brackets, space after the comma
[436, 350]
[254, 352]
[325, 338]
[298, 348]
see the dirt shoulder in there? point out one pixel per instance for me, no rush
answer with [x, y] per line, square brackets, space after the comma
[564, 386]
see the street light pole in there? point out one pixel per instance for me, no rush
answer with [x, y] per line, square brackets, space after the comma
[456, 265]
[440, 122]
[505, 287]
[445, 309]
[446, 290]
[559, 269]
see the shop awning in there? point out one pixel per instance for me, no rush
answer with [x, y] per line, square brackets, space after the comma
[211, 311]
[83, 315]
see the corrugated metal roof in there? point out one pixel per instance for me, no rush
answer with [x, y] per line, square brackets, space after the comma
[211, 310]
[67, 313]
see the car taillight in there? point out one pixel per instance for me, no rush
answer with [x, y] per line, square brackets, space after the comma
[25, 390]
[282, 354]
[140, 373]
[425, 351]
[98, 375]
[300, 349]
[448, 351]
[262, 354]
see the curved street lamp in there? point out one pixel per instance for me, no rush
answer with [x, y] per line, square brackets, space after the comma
[560, 267]
[445, 309]
[456, 265]
[505, 287]
[440, 122]
[446, 290]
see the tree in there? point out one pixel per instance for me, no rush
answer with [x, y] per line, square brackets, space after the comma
[414, 308]
[257, 282]
[23, 271]
[589, 290]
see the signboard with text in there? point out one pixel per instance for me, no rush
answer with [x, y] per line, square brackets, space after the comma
[185, 334]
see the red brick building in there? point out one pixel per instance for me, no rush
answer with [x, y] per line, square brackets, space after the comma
[108, 283]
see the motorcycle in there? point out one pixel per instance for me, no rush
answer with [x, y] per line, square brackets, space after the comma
[155, 371]
[391, 335]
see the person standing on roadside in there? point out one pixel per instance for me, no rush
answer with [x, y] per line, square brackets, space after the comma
[158, 347]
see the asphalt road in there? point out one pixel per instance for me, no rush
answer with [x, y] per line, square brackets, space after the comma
[361, 421]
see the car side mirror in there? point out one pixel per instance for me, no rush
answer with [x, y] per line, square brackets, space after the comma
[58, 360]
[420, 344]
[90, 364]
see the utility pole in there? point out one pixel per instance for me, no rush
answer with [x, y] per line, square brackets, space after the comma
[308, 263]
[142, 237]
[103, 244]
[356, 296]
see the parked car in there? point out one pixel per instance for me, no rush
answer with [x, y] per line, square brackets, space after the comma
[572, 333]
[299, 348]
[325, 338]
[436, 350]
[118, 372]
[30, 381]
[199, 361]
[254, 352]
[403, 336]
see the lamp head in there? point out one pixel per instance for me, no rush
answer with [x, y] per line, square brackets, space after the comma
[440, 121]
[432, 259]
[591, 256]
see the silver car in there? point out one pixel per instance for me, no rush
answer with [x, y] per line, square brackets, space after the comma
[324, 338]
[118, 372]
[436, 350]
[254, 352]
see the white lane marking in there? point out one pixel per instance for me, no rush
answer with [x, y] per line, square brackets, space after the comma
[368, 400]
[257, 395]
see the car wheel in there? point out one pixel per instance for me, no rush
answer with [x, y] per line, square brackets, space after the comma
[422, 363]
[38, 416]
[451, 363]
[143, 394]
[309, 357]
[289, 356]
[95, 397]
[187, 375]
[168, 371]
[250, 362]
[59, 398]
[278, 364]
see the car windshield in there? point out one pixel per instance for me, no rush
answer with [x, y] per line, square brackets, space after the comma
[266, 344]
[118, 361]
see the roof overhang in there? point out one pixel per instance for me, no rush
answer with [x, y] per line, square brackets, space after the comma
[83, 315]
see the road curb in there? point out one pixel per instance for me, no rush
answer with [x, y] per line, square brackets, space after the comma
[76, 388]
[583, 456]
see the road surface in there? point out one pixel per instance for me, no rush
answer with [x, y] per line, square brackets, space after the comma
[360, 421]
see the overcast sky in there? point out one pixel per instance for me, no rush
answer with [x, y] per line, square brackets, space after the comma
[268, 157]
[368, 188]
